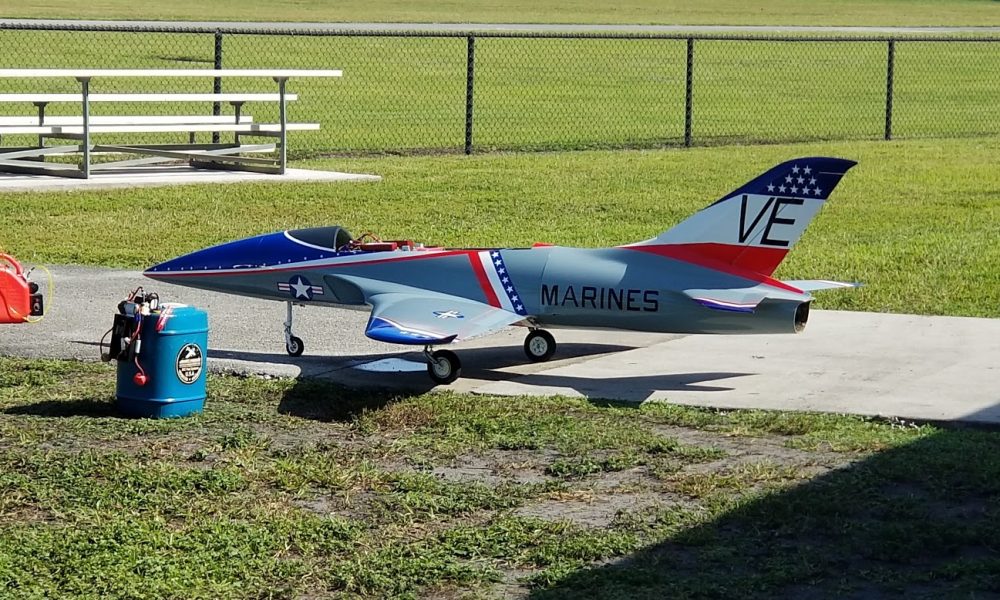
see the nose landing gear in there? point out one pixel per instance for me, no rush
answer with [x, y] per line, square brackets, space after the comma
[293, 345]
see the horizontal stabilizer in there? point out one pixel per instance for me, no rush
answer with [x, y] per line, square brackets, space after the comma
[745, 300]
[811, 285]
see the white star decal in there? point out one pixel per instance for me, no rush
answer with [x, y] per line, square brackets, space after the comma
[781, 189]
[505, 280]
[788, 179]
[510, 288]
[501, 271]
[807, 170]
[801, 180]
[301, 289]
[494, 254]
[795, 169]
[818, 191]
[795, 190]
[513, 298]
[518, 307]
[770, 187]
[812, 181]
[498, 262]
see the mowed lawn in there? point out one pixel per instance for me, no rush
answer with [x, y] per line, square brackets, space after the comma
[917, 222]
[299, 489]
[671, 12]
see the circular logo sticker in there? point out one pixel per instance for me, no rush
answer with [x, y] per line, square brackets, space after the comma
[189, 362]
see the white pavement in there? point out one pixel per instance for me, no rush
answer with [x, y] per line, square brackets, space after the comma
[164, 175]
[912, 367]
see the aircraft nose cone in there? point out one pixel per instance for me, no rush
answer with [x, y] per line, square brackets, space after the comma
[258, 252]
[248, 253]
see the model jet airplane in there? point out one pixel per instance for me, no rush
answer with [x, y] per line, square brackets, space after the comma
[709, 274]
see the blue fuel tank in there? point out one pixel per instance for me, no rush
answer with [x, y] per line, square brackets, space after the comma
[173, 353]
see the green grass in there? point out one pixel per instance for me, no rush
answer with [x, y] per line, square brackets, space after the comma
[285, 488]
[409, 93]
[915, 221]
[720, 12]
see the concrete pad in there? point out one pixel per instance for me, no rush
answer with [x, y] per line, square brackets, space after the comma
[912, 367]
[165, 175]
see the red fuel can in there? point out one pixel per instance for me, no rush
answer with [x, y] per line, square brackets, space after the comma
[19, 298]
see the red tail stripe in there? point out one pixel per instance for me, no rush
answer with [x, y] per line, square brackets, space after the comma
[752, 258]
[691, 253]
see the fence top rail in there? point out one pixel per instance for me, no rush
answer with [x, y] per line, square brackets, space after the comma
[91, 73]
[276, 29]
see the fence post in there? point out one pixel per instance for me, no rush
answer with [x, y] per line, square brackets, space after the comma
[888, 88]
[217, 84]
[687, 92]
[470, 78]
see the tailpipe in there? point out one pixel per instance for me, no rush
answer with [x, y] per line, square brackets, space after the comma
[801, 316]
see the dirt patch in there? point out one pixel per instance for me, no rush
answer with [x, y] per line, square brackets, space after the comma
[590, 509]
[744, 449]
[497, 466]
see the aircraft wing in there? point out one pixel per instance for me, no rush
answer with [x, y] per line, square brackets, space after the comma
[411, 318]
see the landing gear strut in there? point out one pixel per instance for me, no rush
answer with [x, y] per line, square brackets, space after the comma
[443, 365]
[539, 345]
[293, 345]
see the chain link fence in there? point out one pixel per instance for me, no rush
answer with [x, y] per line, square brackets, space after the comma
[455, 92]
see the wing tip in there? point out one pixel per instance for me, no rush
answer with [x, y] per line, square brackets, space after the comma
[384, 330]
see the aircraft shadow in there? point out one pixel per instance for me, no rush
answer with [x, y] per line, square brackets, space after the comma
[67, 408]
[349, 390]
[916, 521]
[504, 356]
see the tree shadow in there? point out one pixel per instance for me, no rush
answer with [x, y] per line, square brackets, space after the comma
[918, 520]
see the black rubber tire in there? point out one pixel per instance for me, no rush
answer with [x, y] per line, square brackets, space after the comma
[295, 346]
[539, 345]
[444, 367]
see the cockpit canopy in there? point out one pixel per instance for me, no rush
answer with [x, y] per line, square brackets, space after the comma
[333, 237]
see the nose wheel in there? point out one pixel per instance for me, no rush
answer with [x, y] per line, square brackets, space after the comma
[443, 366]
[539, 345]
[293, 345]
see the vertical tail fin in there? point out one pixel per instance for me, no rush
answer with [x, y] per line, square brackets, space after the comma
[754, 226]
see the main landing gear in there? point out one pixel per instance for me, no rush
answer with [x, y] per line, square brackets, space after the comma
[444, 367]
[539, 345]
[293, 345]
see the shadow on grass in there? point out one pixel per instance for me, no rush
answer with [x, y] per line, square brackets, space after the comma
[324, 401]
[321, 399]
[66, 408]
[921, 520]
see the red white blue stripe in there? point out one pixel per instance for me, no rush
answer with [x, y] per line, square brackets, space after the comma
[501, 282]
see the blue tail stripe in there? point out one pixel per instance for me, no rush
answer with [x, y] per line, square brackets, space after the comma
[811, 177]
